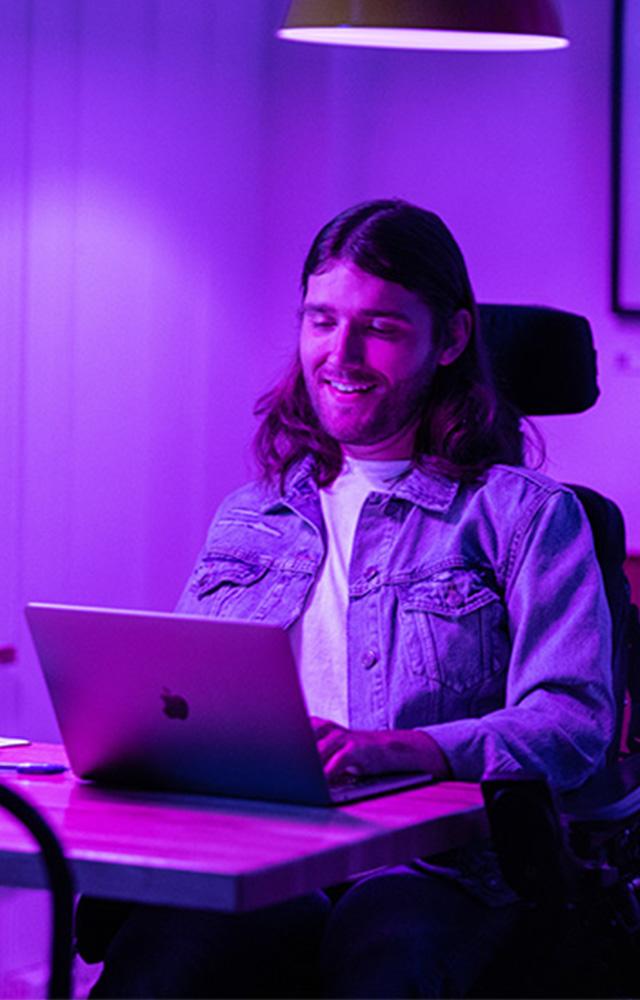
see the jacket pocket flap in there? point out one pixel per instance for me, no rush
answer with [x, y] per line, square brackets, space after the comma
[216, 572]
[451, 592]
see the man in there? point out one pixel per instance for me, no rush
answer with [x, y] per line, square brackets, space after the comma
[445, 606]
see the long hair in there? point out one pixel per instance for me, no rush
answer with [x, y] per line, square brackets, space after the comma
[466, 426]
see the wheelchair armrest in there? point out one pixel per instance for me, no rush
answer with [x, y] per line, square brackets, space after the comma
[612, 794]
[530, 837]
[534, 841]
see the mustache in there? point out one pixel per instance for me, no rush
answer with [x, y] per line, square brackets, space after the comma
[354, 376]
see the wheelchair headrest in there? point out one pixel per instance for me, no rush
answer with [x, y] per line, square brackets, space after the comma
[543, 359]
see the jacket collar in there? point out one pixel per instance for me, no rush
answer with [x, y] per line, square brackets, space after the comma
[298, 483]
[423, 485]
[426, 487]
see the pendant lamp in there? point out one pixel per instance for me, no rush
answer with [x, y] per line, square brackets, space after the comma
[494, 25]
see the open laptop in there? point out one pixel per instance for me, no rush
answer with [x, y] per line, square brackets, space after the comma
[185, 703]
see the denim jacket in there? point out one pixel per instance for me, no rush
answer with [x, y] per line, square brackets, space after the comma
[476, 612]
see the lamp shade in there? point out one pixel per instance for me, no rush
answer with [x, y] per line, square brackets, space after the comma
[496, 25]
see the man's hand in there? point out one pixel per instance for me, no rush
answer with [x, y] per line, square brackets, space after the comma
[354, 753]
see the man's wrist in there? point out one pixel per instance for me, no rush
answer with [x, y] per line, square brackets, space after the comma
[417, 750]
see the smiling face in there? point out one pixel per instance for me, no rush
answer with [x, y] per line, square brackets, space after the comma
[368, 357]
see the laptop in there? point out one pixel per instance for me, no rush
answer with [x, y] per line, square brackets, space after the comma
[185, 703]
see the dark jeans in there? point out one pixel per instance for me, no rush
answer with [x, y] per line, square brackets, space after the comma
[396, 933]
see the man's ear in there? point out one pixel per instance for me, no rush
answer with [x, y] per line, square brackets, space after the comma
[458, 335]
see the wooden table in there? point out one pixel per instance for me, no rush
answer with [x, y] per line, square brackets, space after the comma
[224, 854]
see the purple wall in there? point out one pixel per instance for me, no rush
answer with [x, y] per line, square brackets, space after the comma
[164, 166]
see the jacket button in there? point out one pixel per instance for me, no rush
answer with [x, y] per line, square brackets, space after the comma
[370, 572]
[369, 659]
[453, 598]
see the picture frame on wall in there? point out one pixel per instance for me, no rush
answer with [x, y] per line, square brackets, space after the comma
[626, 158]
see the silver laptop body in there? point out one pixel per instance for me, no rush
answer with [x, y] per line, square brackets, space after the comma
[184, 703]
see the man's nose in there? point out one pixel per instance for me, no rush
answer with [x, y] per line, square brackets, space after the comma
[347, 346]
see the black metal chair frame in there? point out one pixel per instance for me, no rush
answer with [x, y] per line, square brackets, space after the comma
[61, 886]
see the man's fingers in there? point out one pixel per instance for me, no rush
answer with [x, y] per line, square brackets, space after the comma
[341, 751]
[342, 766]
[330, 743]
[322, 726]
[329, 737]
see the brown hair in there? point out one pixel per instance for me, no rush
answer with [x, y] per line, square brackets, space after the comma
[466, 426]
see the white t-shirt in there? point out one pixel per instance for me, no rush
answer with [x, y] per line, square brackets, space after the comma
[319, 637]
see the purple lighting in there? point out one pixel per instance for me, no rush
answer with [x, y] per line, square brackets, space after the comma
[422, 38]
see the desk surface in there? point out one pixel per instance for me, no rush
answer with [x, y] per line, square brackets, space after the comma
[223, 853]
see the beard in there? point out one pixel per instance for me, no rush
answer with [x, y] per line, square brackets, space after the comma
[372, 416]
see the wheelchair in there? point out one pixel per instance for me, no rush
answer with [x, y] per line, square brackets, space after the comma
[574, 860]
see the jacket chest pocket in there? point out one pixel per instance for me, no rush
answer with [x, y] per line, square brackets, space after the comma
[228, 587]
[455, 630]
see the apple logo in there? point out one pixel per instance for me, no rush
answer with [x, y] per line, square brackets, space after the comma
[175, 706]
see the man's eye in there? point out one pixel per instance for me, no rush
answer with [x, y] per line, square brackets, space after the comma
[383, 331]
[323, 322]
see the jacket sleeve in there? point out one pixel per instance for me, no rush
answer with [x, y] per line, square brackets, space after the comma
[559, 712]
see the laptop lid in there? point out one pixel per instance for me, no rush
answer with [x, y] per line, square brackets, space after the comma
[182, 703]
